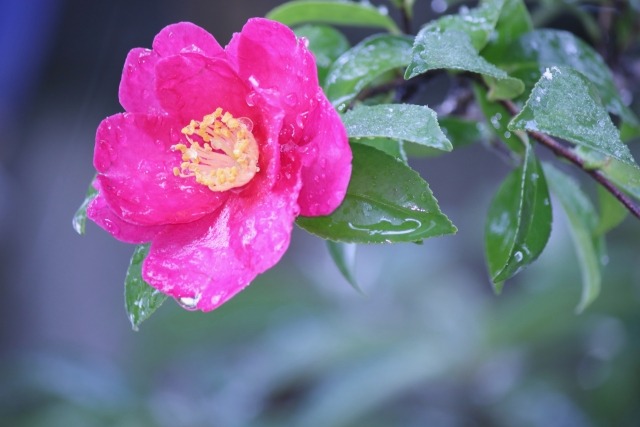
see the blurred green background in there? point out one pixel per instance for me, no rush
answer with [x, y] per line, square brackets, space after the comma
[427, 345]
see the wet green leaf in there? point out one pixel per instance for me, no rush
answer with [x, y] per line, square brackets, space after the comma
[79, 220]
[326, 43]
[519, 221]
[365, 62]
[533, 53]
[413, 123]
[583, 220]
[498, 118]
[392, 147]
[459, 132]
[141, 300]
[386, 202]
[344, 256]
[565, 104]
[623, 175]
[335, 13]
[478, 23]
[514, 21]
[612, 212]
[453, 50]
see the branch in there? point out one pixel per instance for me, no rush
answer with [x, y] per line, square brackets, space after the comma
[562, 151]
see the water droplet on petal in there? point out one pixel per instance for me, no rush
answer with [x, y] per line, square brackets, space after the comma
[291, 99]
[301, 119]
[251, 99]
[189, 303]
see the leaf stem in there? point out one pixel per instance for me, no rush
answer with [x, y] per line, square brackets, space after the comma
[564, 152]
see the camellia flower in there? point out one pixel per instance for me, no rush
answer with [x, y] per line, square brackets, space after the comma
[217, 153]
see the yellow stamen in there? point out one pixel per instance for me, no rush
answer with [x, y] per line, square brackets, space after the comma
[222, 152]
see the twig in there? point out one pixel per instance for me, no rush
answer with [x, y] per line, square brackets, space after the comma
[562, 151]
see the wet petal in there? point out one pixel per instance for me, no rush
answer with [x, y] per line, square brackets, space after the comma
[99, 212]
[326, 162]
[186, 37]
[192, 86]
[135, 164]
[208, 261]
[278, 65]
[137, 91]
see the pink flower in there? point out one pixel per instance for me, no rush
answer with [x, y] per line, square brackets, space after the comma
[217, 153]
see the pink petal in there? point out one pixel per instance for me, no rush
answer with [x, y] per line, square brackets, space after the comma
[192, 86]
[326, 161]
[100, 213]
[278, 65]
[186, 37]
[137, 91]
[135, 164]
[206, 262]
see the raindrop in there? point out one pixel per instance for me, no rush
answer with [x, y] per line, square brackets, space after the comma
[251, 98]
[247, 122]
[301, 119]
[518, 256]
[291, 99]
[189, 303]
[507, 134]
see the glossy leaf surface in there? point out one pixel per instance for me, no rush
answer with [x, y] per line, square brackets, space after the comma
[453, 50]
[406, 122]
[333, 12]
[386, 202]
[583, 220]
[565, 104]
[519, 221]
[533, 53]
[141, 300]
[365, 62]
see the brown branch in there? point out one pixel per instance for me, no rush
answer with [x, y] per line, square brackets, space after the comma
[562, 151]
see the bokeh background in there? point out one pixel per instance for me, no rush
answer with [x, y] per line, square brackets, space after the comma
[428, 344]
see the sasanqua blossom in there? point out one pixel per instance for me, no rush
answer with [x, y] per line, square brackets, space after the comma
[217, 152]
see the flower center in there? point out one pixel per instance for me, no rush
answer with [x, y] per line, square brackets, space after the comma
[222, 154]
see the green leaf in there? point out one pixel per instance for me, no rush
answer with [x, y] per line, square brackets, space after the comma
[478, 23]
[519, 221]
[344, 256]
[514, 21]
[453, 50]
[406, 122]
[79, 220]
[326, 43]
[392, 147]
[141, 300]
[583, 220]
[623, 175]
[459, 132]
[386, 202]
[565, 104]
[533, 53]
[498, 118]
[335, 13]
[612, 212]
[364, 63]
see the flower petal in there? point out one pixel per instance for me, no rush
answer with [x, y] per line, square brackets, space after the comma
[206, 262]
[100, 213]
[186, 37]
[135, 164]
[278, 65]
[326, 161]
[192, 86]
[137, 86]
